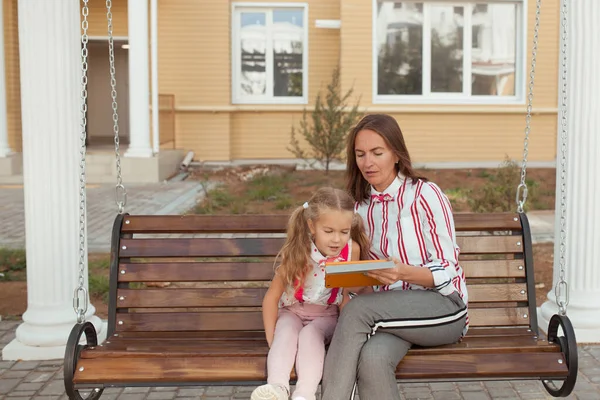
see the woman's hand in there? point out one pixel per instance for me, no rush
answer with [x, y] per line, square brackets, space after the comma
[389, 276]
[421, 276]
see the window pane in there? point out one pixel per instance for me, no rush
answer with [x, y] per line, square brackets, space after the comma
[288, 35]
[446, 48]
[494, 49]
[253, 45]
[400, 48]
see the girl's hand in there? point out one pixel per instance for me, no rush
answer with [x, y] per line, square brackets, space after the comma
[389, 276]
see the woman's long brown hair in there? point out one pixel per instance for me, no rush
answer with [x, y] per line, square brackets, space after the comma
[295, 253]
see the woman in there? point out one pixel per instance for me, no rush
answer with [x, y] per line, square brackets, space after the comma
[423, 298]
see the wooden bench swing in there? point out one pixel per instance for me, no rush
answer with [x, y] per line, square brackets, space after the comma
[185, 310]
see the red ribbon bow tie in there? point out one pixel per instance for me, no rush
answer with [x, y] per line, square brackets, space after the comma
[380, 198]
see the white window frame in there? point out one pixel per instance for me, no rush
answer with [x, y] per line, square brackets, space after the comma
[268, 98]
[457, 98]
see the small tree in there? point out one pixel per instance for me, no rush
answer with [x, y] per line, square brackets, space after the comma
[326, 129]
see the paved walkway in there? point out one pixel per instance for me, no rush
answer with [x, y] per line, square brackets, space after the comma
[158, 198]
[43, 380]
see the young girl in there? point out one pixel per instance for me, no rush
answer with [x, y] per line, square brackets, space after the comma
[299, 312]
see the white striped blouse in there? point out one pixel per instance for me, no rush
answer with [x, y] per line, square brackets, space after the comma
[413, 222]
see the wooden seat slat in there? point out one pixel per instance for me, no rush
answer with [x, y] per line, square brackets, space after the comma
[475, 269]
[188, 297]
[253, 368]
[497, 292]
[509, 244]
[252, 320]
[256, 247]
[196, 271]
[492, 333]
[131, 347]
[201, 247]
[252, 297]
[263, 271]
[158, 224]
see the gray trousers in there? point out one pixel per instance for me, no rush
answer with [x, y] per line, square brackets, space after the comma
[375, 331]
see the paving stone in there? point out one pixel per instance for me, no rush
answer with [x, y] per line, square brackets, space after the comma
[470, 386]
[25, 365]
[6, 364]
[535, 396]
[190, 392]
[6, 385]
[588, 395]
[14, 374]
[161, 395]
[418, 396]
[501, 393]
[29, 386]
[475, 396]
[54, 388]
[131, 396]
[141, 389]
[218, 390]
[37, 376]
[164, 389]
[445, 395]
[21, 395]
[442, 386]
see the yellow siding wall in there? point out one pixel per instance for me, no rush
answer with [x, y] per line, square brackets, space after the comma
[98, 23]
[253, 132]
[195, 67]
[461, 133]
[13, 75]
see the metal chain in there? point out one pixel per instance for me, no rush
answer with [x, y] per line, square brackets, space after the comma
[120, 191]
[80, 296]
[521, 195]
[561, 289]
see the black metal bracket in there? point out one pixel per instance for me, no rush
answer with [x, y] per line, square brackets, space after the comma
[568, 346]
[72, 353]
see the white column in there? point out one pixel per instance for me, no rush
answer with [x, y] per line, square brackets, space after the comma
[50, 63]
[155, 109]
[139, 80]
[583, 180]
[5, 149]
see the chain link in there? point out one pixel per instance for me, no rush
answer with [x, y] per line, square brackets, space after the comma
[120, 191]
[561, 289]
[80, 298]
[521, 195]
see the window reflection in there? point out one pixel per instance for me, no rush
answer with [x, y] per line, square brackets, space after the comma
[446, 48]
[400, 48]
[253, 44]
[288, 33]
[493, 50]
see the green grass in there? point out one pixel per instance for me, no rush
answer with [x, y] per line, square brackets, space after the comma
[268, 187]
[262, 188]
[12, 265]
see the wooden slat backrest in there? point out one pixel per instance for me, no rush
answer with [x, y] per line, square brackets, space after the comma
[216, 270]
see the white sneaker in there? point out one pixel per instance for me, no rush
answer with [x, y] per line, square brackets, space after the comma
[270, 392]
